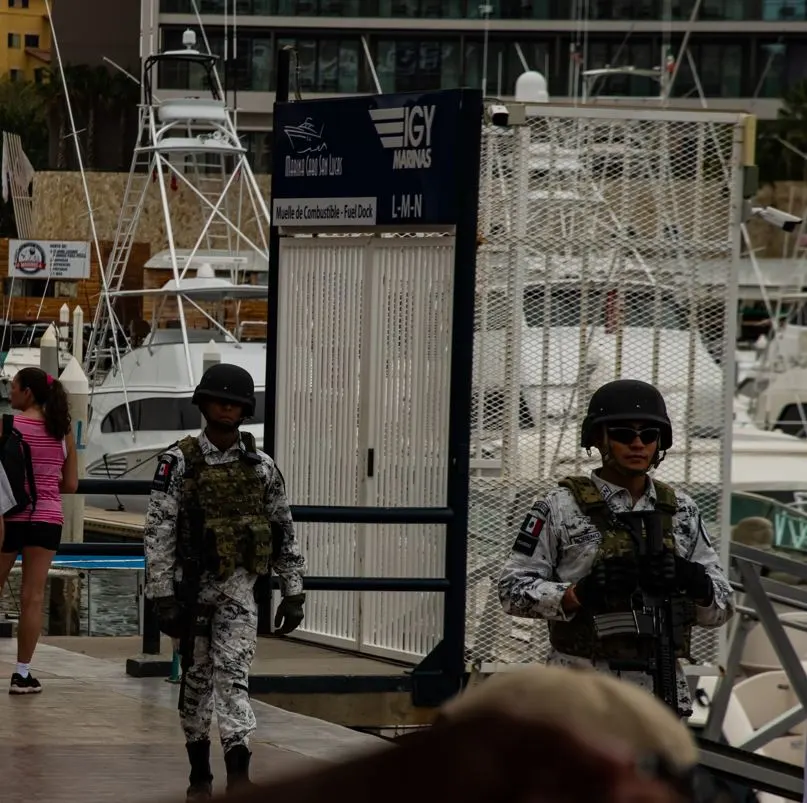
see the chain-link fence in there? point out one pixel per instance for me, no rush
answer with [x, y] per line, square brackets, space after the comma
[607, 242]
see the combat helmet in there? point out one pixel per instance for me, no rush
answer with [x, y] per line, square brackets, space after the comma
[227, 382]
[626, 400]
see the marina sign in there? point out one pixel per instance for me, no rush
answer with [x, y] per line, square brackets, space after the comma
[48, 259]
[381, 160]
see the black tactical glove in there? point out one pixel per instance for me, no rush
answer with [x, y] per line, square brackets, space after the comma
[692, 579]
[659, 573]
[169, 614]
[289, 614]
[609, 578]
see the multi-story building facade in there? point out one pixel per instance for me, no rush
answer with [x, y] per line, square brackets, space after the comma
[24, 39]
[745, 53]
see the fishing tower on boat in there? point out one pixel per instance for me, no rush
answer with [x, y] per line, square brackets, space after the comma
[188, 142]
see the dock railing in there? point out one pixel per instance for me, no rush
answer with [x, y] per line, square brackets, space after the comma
[438, 676]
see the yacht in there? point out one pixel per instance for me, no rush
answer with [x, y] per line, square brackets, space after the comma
[149, 346]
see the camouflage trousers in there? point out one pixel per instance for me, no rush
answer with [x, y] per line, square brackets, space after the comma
[219, 677]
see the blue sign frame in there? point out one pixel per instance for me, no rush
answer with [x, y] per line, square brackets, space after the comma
[378, 160]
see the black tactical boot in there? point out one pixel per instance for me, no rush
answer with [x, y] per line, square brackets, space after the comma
[201, 779]
[236, 760]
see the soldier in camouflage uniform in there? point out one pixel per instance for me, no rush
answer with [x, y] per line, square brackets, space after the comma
[574, 556]
[217, 521]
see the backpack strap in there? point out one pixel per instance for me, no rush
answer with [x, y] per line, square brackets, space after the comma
[29, 471]
[8, 429]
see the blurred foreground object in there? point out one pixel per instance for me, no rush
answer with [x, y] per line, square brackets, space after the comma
[486, 756]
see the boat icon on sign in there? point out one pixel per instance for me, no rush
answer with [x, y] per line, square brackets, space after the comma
[305, 138]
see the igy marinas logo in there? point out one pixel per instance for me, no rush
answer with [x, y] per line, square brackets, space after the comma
[408, 131]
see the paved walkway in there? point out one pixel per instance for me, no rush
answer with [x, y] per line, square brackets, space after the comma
[95, 734]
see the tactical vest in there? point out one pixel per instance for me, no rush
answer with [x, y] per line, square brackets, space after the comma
[223, 519]
[578, 636]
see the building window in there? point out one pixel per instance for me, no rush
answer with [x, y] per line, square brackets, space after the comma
[39, 75]
[319, 8]
[410, 65]
[32, 40]
[771, 79]
[14, 40]
[417, 9]
[777, 10]
[259, 150]
[719, 68]
[504, 64]
[326, 65]
[251, 70]
[248, 7]
[14, 75]
[638, 54]
[29, 288]
[18, 3]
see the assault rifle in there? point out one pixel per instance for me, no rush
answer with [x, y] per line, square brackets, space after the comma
[658, 617]
[188, 598]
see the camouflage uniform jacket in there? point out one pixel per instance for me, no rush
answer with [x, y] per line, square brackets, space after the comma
[159, 535]
[566, 548]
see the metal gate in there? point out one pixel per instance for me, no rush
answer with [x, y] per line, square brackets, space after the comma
[609, 237]
[362, 419]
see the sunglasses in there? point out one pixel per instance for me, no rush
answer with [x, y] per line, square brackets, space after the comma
[627, 435]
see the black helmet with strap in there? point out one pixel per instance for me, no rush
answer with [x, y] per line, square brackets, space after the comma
[227, 382]
[626, 400]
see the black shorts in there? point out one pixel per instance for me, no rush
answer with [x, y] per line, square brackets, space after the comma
[20, 534]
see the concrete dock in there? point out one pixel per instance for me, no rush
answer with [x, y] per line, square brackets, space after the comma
[95, 734]
[282, 665]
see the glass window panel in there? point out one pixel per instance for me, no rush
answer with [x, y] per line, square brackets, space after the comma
[428, 70]
[404, 8]
[328, 66]
[307, 63]
[262, 64]
[386, 66]
[772, 70]
[348, 66]
[450, 67]
[709, 69]
[472, 67]
[732, 71]
[777, 10]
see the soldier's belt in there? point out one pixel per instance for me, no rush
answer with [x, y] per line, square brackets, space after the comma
[636, 623]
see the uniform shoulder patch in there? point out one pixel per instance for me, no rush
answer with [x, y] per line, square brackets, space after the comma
[162, 474]
[530, 529]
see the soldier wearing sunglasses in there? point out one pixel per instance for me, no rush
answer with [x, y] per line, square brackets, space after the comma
[575, 555]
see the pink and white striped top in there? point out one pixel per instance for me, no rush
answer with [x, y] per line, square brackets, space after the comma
[48, 455]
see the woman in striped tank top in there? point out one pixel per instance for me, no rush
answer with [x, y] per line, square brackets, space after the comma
[43, 421]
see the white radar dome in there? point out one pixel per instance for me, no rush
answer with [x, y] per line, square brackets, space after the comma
[531, 88]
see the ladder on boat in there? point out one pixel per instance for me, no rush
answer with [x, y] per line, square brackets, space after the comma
[140, 175]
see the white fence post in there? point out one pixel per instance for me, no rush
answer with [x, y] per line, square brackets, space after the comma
[78, 394]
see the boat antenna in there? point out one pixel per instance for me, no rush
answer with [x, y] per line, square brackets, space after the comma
[85, 186]
[219, 87]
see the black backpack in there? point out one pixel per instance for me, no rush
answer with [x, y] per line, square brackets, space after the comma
[15, 456]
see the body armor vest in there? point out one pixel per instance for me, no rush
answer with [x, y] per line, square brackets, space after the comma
[223, 521]
[578, 637]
